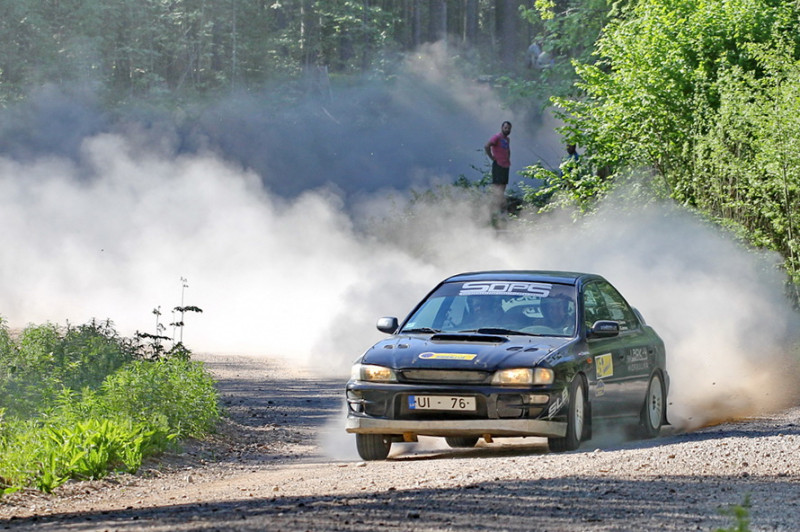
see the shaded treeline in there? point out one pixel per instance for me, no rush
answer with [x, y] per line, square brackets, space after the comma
[135, 47]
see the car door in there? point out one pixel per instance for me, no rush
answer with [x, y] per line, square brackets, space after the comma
[622, 363]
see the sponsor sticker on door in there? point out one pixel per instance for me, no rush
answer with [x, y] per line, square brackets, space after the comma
[604, 365]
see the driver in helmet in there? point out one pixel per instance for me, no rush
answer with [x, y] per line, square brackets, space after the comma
[557, 315]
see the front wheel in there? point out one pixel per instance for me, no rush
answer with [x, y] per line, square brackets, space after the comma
[652, 415]
[373, 446]
[576, 420]
[461, 441]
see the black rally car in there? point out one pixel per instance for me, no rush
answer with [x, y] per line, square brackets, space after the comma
[509, 353]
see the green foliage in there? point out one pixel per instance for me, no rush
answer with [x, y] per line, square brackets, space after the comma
[98, 406]
[701, 95]
[465, 183]
[565, 31]
[573, 185]
[749, 156]
[46, 453]
[741, 513]
[657, 74]
[178, 50]
[175, 392]
[48, 358]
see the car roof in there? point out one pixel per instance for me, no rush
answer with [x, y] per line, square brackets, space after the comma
[545, 276]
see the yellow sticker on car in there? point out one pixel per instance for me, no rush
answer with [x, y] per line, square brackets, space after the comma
[447, 356]
[604, 365]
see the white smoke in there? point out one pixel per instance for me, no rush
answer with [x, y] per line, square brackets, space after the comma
[111, 232]
[296, 278]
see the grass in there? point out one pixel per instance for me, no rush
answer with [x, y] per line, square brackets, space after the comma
[81, 402]
[741, 514]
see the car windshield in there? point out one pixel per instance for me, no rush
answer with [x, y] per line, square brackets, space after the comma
[524, 307]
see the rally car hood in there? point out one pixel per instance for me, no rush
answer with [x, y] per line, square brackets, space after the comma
[464, 351]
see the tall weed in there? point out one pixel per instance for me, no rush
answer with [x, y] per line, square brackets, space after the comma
[79, 402]
[47, 454]
[48, 358]
[177, 390]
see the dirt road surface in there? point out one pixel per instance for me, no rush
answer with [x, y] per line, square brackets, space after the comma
[283, 462]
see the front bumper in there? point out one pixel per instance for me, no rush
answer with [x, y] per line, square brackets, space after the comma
[460, 427]
[500, 410]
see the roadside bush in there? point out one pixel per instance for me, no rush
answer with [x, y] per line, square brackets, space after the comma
[47, 358]
[80, 402]
[176, 390]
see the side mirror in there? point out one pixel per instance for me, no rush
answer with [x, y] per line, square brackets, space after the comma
[604, 329]
[387, 325]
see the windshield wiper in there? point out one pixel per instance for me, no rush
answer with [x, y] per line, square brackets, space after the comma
[421, 330]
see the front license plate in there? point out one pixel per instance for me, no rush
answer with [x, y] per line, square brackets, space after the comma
[441, 402]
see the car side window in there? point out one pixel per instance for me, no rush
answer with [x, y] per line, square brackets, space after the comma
[616, 307]
[594, 307]
[602, 302]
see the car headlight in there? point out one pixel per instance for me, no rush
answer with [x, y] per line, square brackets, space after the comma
[519, 376]
[372, 373]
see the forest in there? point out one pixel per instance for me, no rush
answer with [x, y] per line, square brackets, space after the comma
[134, 47]
[694, 101]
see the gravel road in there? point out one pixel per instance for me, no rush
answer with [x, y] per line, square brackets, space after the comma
[282, 461]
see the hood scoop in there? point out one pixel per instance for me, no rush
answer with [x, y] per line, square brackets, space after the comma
[469, 338]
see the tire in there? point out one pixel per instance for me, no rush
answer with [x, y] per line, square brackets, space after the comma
[461, 441]
[373, 446]
[652, 415]
[576, 420]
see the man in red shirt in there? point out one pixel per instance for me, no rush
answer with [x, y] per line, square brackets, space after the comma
[499, 151]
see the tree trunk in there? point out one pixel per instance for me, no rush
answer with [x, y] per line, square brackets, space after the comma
[437, 20]
[307, 33]
[417, 22]
[471, 22]
[506, 20]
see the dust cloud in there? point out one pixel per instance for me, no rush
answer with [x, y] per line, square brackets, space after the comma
[294, 234]
[730, 332]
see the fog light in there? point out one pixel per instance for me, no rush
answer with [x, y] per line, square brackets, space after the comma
[538, 399]
[354, 396]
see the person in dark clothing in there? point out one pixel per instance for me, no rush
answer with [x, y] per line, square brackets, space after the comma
[572, 153]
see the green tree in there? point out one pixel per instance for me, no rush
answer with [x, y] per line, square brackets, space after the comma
[185, 48]
[657, 75]
[699, 95]
[563, 31]
[747, 161]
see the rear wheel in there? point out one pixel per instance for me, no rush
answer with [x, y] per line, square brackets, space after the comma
[652, 415]
[576, 422]
[461, 441]
[373, 446]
